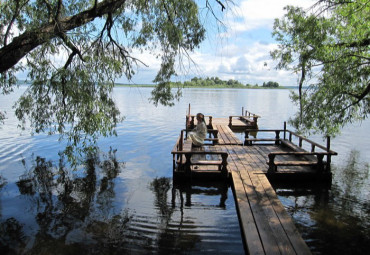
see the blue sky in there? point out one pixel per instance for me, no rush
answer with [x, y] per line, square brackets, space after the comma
[237, 52]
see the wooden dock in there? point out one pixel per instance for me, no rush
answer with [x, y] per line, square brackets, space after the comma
[250, 165]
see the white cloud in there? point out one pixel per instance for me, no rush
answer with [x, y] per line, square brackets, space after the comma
[254, 14]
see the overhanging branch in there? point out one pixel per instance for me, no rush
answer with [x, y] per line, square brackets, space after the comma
[12, 53]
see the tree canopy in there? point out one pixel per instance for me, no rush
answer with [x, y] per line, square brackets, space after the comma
[213, 82]
[328, 46]
[74, 50]
[270, 84]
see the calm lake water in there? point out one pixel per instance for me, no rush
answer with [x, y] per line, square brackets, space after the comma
[123, 200]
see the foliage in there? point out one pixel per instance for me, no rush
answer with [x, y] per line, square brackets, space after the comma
[210, 82]
[329, 48]
[270, 84]
[74, 50]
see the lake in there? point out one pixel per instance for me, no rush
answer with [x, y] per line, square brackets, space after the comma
[123, 200]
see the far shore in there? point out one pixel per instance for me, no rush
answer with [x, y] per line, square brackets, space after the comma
[204, 87]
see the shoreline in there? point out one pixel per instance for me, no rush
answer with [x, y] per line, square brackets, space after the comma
[203, 87]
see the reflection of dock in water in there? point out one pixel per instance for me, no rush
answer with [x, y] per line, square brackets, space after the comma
[270, 155]
[186, 190]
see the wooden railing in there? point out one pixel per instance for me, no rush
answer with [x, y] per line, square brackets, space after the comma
[246, 116]
[190, 124]
[297, 149]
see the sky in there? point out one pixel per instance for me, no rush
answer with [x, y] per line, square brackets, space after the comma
[238, 52]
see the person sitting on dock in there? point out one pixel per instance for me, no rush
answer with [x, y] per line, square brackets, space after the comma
[199, 133]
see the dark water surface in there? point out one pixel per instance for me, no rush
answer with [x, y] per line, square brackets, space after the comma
[123, 201]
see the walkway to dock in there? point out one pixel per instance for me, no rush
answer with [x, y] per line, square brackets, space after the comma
[267, 228]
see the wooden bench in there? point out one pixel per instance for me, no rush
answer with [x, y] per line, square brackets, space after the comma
[291, 145]
[318, 163]
[185, 155]
[250, 141]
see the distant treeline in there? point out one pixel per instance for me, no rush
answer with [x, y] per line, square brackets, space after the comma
[270, 84]
[216, 82]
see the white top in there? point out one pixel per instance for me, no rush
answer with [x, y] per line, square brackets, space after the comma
[199, 133]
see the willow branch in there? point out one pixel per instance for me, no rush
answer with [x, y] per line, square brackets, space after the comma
[12, 53]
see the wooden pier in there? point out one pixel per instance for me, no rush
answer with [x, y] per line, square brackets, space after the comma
[250, 165]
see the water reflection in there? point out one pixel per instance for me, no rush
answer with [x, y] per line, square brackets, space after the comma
[71, 212]
[335, 221]
[178, 229]
[187, 190]
[67, 208]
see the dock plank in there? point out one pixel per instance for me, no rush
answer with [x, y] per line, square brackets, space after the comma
[267, 209]
[227, 136]
[251, 193]
[276, 229]
[291, 231]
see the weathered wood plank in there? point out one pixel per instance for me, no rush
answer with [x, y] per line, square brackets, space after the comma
[249, 228]
[286, 237]
[268, 212]
[271, 232]
[227, 136]
[291, 231]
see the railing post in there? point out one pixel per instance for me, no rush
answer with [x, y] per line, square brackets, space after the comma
[277, 137]
[181, 142]
[284, 130]
[313, 148]
[230, 121]
[210, 121]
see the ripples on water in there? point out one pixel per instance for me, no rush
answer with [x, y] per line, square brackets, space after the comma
[123, 200]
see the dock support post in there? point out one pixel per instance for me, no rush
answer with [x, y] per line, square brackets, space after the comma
[230, 121]
[187, 165]
[246, 137]
[255, 118]
[224, 164]
[328, 157]
[320, 165]
[272, 168]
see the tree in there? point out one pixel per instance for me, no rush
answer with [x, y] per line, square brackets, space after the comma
[329, 48]
[74, 50]
[271, 84]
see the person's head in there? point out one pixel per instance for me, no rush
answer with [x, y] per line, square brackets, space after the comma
[200, 117]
